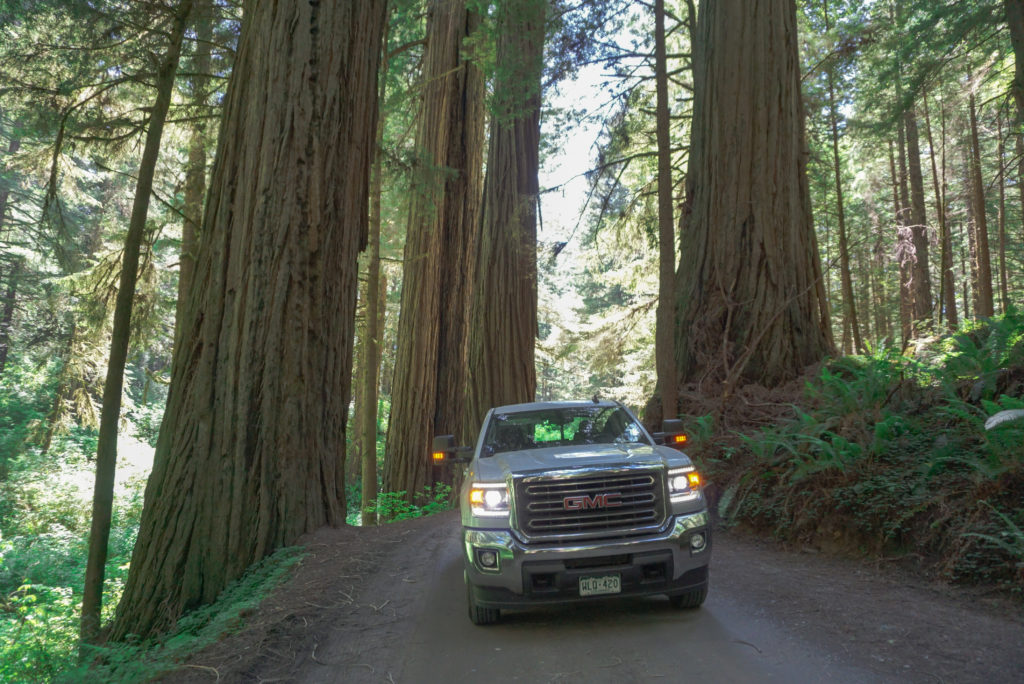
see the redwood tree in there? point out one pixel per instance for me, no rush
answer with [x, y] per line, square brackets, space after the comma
[430, 365]
[255, 421]
[749, 282]
[504, 318]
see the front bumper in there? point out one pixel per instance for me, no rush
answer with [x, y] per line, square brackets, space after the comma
[662, 563]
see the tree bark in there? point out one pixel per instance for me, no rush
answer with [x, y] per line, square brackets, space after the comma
[749, 278]
[246, 458]
[921, 284]
[983, 284]
[106, 452]
[430, 362]
[504, 314]
[664, 339]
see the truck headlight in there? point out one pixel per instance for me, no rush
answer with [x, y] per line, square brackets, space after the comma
[683, 484]
[489, 500]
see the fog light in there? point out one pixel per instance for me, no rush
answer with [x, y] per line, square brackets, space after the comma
[698, 541]
[488, 558]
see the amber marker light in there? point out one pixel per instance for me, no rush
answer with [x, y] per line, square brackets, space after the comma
[694, 479]
[438, 457]
[476, 496]
[679, 440]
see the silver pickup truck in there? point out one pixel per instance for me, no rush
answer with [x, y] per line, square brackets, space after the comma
[574, 501]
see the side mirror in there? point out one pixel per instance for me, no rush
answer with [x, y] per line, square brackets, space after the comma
[672, 433]
[444, 451]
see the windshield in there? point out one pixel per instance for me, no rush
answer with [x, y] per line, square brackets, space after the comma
[578, 425]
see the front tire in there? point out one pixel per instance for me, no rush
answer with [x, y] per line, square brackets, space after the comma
[690, 599]
[479, 615]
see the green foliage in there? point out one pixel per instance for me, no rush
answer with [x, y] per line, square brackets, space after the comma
[130, 663]
[26, 395]
[892, 452]
[392, 506]
[44, 524]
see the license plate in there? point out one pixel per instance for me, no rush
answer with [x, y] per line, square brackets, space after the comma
[603, 584]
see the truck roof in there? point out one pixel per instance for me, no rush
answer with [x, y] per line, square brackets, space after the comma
[541, 405]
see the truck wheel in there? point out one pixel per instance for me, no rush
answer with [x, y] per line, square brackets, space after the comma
[691, 599]
[479, 615]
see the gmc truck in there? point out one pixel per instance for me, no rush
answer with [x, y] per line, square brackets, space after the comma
[577, 501]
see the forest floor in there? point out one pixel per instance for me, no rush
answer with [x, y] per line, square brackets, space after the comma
[348, 612]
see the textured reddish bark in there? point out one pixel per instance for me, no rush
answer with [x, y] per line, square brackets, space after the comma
[255, 422]
[750, 293]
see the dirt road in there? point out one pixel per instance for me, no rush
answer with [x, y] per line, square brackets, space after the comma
[390, 607]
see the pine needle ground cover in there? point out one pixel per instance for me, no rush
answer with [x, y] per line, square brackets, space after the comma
[889, 455]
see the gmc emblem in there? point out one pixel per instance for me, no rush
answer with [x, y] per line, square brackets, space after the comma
[583, 502]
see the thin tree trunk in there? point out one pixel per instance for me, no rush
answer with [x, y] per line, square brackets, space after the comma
[246, 459]
[921, 279]
[751, 297]
[504, 327]
[12, 273]
[970, 270]
[903, 239]
[7, 317]
[664, 339]
[1019, 149]
[106, 451]
[983, 287]
[7, 314]
[1004, 295]
[1015, 22]
[430, 362]
[351, 462]
[849, 305]
[947, 291]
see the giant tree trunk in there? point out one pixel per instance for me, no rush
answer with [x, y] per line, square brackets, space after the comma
[255, 421]
[664, 338]
[504, 317]
[430, 363]
[921, 284]
[106, 452]
[749, 296]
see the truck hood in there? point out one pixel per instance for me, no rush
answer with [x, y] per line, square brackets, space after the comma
[567, 458]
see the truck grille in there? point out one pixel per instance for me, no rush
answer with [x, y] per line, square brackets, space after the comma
[590, 505]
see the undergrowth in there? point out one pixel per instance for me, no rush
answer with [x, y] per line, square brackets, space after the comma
[392, 506]
[138, 662]
[888, 454]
